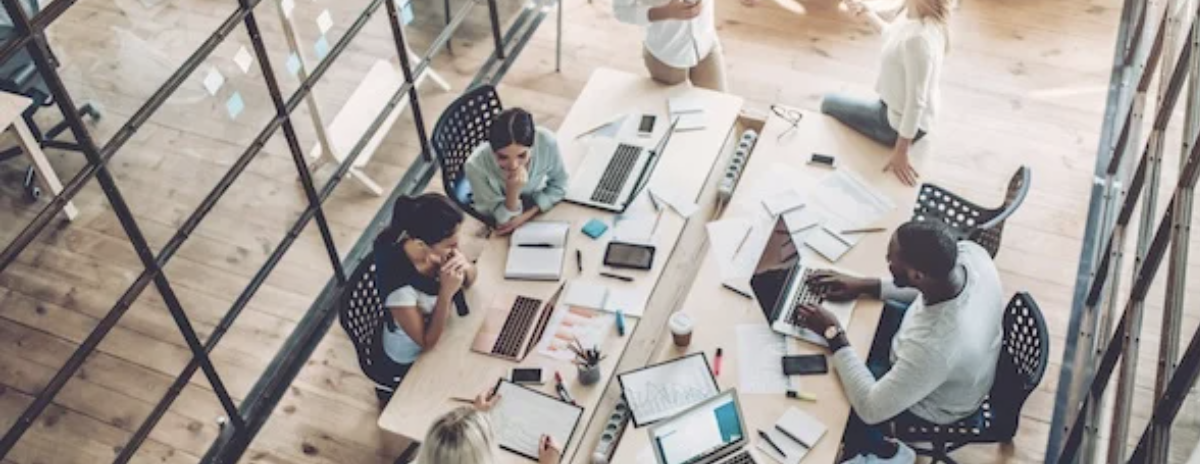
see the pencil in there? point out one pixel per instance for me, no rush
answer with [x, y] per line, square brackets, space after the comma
[743, 243]
[462, 400]
[656, 220]
[865, 230]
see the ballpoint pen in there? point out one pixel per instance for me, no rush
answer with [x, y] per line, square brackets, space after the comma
[771, 443]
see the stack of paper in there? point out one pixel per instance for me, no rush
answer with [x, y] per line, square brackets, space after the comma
[537, 251]
[795, 433]
[689, 111]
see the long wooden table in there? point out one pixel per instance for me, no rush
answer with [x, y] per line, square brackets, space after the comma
[718, 311]
[450, 369]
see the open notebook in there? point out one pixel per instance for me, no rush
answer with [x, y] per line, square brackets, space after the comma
[522, 416]
[795, 433]
[537, 251]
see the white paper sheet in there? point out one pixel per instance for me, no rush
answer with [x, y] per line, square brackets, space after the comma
[846, 202]
[325, 21]
[783, 202]
[635, 227]
[570, 323]
[243, 59]
[736, 244]
[213, 81]
[596, 296]
[760, 365]
[680, 203]
[522, 416]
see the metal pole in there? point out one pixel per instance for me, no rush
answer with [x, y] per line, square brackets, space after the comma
[495, 17]
[1159, 444]
[406, 68]
[1129, 359]
[558, 39]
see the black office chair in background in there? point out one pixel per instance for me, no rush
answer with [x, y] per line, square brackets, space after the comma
[19, 75]
[462, 127]
[362, 315]
[1024, 355]
[981, 225]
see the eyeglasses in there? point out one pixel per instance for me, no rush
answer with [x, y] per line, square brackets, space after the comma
[789, 115]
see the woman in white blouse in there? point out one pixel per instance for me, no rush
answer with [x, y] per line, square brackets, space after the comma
[914, 45]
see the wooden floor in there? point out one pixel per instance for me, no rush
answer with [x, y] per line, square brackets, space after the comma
[1024, 85]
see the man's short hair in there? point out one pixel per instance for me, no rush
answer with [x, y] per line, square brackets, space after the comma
[928, 246]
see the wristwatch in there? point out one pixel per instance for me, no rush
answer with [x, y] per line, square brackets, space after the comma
[832, 332]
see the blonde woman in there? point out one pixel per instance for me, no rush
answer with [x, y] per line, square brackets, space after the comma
[464, 436]
[914, 45]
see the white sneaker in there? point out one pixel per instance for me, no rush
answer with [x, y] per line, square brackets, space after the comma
[904, 455]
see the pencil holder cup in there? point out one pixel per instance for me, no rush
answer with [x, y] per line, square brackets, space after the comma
[589, 375]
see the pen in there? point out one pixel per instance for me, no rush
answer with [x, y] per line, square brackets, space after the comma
[579, 260]
[799, 395]
[563, 394]
[654, 201]
[791, 437]
[462, 400]
[864, 230]
[743, 243]
[616, 276]
[767, 438]
[656, 220]
[717, 362]
[536, 245]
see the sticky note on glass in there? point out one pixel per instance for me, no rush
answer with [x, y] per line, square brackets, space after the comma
[243, 59]
[234, 105]
[321, 47]
[293, 64]
[287, 6]
[213, 81]
[406, 12]
[325, 21]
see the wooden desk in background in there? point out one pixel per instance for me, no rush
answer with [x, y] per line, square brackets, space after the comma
[11, 107]
[718, 311]
[450, 369]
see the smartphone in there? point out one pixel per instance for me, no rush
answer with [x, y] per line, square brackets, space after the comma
[822, 160]
[805, 365]
[646, 126]
[629, 255]
[532, 375]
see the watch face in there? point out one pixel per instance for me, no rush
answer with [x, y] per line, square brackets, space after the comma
[831, 332]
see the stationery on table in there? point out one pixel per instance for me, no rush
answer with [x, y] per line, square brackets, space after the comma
[661, 390]
[736, 244]
[537, 251]
[689, 111]
[680, 203]
[569, 324]
[759, 352]
[522, 416]
[792, 436]
[635, 227]
[845, 202]
[783, 202]
[595, 296]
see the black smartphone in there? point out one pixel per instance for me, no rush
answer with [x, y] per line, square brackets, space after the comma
[532, 375]
[629, 255]
[810, 364]
[646, 126]
[822, 160]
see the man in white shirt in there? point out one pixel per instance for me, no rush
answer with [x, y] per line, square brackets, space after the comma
[935, 360]
[681, 40]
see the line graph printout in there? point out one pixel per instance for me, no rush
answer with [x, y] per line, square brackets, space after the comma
[660, 391]
[522, 416]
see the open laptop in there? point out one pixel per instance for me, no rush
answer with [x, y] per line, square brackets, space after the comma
[615, 171]
[513, 326]
[780, 285]
[712, 432]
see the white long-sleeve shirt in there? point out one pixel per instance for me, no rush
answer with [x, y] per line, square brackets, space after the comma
[671, 40]
[909, 73]
[944, 355]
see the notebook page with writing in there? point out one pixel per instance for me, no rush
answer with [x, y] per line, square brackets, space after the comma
[521, 416]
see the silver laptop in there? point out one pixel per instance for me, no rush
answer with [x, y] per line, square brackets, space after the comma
[615, 171]
[712, 432]
[780, 284]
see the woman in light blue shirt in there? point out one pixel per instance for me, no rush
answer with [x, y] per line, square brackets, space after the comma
[518, 173]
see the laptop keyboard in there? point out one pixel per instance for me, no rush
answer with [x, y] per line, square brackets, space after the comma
[616, 174]
[519, 321]
[807, 295]
[741, 458]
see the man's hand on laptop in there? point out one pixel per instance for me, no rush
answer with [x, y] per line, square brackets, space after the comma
[836, 286]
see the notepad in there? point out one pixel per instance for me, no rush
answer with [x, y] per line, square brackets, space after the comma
[689, 111]
[537, 251]
[829, 244]
[660, 391]
[522, 416]
[795, 433]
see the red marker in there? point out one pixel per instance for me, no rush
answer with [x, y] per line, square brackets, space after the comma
[563, 394]
[717, 363]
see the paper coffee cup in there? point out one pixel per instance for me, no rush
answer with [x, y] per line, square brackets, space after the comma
[681, 329]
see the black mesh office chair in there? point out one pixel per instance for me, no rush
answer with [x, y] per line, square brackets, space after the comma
[19, 75]
[362, 315]
[1024, 354]
[462, 127]
[981, 225]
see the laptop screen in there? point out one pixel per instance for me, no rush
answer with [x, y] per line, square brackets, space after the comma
[706, 430]
[776, 264]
